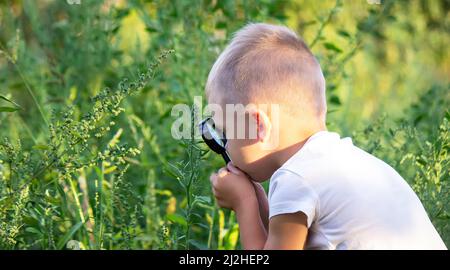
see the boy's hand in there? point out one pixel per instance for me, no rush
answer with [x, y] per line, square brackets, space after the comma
[263, 203]
[232, 187]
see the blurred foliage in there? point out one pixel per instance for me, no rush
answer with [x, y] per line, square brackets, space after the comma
[386, 66]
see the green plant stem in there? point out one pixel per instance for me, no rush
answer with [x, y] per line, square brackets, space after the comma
[325, 23]
[27, 86]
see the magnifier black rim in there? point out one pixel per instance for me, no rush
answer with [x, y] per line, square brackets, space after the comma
[210, 141]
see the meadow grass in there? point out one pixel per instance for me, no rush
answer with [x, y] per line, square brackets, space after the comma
[87, 160]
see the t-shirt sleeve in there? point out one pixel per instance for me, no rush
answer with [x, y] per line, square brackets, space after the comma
[290, 193]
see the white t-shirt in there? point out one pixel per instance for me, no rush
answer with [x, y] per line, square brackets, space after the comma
[352, 200]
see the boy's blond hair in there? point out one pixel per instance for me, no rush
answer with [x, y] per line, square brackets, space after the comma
[268, 64]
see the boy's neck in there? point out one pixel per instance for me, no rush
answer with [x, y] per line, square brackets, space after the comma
[287, 152]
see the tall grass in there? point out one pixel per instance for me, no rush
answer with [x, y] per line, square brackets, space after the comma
[87, 160]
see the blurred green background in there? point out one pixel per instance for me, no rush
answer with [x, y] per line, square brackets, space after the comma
[386, 64]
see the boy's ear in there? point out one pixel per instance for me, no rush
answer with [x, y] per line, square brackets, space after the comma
[263, 125]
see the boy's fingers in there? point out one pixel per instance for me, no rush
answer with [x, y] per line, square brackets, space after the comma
[222, 204]
[222, 171]
[212, 178]
[215, 193]
[233, 169]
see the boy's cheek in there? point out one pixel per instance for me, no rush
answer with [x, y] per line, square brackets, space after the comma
[252, 158]
[237, 149]
[244, 155]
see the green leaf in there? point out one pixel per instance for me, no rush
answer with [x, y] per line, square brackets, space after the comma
[221, 25]
[203, 199]
[175, 218]
[197, 244]
[204, 226]
[10, 101]
[69, 235]
[335, 100]
[332, 47]
[33, 230]
[232, 237]
[41, 147]
[8, 109]
[344, 33]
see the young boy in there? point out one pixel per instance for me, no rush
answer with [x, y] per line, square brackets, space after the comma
[325, 193]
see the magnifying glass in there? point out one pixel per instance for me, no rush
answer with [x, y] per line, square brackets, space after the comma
[213, 138]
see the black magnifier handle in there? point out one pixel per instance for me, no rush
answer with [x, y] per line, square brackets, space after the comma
[226, 157]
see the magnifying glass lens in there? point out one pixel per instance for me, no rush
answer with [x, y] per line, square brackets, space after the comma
[214, 139]
[214, 134]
